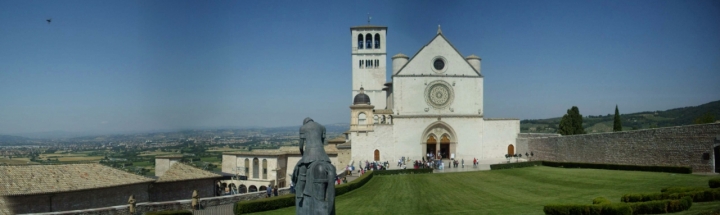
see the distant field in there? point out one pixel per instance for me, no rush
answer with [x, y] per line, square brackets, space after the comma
[223, 150]
[80, 158]
[156, 153]
[512, 191]
[15, 160]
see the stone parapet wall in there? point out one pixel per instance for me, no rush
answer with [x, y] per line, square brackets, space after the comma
[671, 146]
[170, 205]
[522, 140]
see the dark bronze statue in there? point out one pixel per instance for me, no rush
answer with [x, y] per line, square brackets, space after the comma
[314, 175]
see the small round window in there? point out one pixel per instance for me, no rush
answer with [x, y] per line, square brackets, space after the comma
[439, 64]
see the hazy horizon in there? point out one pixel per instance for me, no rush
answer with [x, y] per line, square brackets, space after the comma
[132, 66]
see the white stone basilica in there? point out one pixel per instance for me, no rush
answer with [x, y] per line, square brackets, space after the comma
[434, 104]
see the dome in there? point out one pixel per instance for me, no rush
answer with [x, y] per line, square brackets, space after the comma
[361, 98]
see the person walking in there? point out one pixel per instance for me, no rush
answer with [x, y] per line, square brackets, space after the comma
[275, 191]
[269, 191]
[463, 162]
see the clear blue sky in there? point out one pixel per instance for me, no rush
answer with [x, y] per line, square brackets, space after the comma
[128, 66]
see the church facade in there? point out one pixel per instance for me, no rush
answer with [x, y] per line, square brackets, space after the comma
[432, 105]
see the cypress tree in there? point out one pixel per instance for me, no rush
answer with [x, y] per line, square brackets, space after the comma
[617, 125]
[576, 120]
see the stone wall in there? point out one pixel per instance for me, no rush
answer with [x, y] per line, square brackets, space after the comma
[521, 143]
[169, 191]
[170, 205]
[672, 146]
[79, 199]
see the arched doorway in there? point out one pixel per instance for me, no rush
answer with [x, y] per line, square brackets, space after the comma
[440, 139]
[263, 188]
[511, 149]
[445, 146]
[243, 188]
[252, 188]
[431, 146]
[377, 155]
[233, 188]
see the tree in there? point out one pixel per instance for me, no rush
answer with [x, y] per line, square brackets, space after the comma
[617, 125]
[571, 123]
[705, 118]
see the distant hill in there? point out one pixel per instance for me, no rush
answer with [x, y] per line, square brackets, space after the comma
[632, 121]
[5, 139]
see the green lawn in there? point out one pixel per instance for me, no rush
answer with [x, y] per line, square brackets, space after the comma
[512, 191]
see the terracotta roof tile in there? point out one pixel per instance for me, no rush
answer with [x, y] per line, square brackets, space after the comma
[36, 179]
[181, 172]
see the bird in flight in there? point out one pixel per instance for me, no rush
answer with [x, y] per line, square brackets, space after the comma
[49, 20]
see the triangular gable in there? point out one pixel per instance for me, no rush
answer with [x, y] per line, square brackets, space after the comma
[422, 62]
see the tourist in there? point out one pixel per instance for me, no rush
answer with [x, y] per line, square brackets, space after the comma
[275, 191]
[269, 191]
[463, 163]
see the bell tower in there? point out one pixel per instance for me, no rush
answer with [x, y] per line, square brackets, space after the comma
[368, 62]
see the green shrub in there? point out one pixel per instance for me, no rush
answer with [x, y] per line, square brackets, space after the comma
[714, 183]
[265, 204]
[649, 207]
[596, 209]
[515, 165]
[681, 189]
[670, 169]
[601, 200]
[179, 212]
[705, 195]
[288, 200]
[569, 209]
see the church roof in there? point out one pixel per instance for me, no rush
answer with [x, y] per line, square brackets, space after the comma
[438, 35]
[361, 98]
[38, 179]
[182, 172]
[368, 27]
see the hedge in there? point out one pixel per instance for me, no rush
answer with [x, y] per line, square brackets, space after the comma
[681, 189]
[714, 183]
[288, 200]
[670, 169]
[180, 212]
[515, 165]
[596, 209]
[602, 206]
[707, 195]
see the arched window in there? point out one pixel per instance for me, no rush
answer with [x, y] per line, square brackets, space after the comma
[368, 41]
[252, 188]
[264, 168]
[361, 119]
[376, 119]
[256, 168]
[360, 41]
[247, 167]
[377, 41]
[243, 188]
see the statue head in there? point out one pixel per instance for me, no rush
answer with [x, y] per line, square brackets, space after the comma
[306, 120]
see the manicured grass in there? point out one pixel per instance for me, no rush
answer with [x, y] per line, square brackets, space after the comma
[511, 191]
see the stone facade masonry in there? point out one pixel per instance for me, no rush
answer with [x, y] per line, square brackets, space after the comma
[168, 191]
[672, 146]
